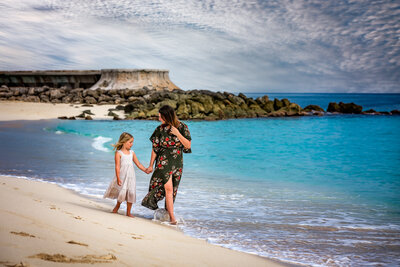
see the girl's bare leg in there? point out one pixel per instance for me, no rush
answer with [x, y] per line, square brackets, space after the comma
[128, 209]
[116, 208]
[169, 200]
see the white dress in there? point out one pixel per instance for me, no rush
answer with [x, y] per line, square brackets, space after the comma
[126, 191]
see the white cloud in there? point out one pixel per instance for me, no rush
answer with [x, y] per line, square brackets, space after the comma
[220, 45]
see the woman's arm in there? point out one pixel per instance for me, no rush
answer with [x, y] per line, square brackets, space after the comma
[137, 162]
[117, 167]
[186, 143]
[152, 159]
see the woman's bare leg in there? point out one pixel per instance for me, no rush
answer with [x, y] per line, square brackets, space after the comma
[128, 209]
[116, 208]
[169, 199]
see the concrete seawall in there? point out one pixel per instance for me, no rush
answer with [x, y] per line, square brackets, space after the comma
[106, 79]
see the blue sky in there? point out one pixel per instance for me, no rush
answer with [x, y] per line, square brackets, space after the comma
[247, 46]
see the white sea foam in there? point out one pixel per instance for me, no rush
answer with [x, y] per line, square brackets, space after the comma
[59, 132]
[98, 143]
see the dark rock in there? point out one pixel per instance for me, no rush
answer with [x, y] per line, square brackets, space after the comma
[135, 105]
[262, 100]
[67, 99]
[333, 107]
[277, 104]
[87, 111]
[395, 112]
[93, 93]
[87, 105]
[90, 100]
[313, 108]
[285, 102]
[350, 108]
[241, 95]
[63, 118]
[104, 98]
[39, 90]
[120, 107]
[56, 94]
[292, 110]
[43, 98]
[385, 113]
[33, 98]
[72, 118]
[31, 91]
[88, 118]
[112, 92]
[112, 114]
[6, 94]
[370, 111]
[82, 115]
[116, 118]
[346, 108]
[268, 106]
[4, 88]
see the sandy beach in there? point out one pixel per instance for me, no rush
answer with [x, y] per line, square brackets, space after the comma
[13, 110]
[45, 225]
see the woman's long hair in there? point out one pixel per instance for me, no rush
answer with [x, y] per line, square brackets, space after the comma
[123, 138]
[169, 116]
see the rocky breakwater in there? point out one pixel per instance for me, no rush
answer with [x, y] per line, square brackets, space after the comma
[351, 108]
[144, 103]
[208, 105]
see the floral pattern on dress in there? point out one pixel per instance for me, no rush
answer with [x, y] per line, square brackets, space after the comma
[169, 163]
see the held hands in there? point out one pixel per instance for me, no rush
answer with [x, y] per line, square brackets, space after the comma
[149, 169]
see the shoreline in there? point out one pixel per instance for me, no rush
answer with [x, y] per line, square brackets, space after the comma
[19, 111]
[15, 110]
[48, 220]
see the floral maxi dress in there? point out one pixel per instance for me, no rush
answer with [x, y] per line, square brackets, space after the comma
[169, 163]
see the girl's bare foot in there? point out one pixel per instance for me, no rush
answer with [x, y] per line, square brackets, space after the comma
[130, 215]
[116, 208]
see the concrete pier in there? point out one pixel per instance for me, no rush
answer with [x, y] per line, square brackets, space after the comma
[90, 79]
[134, 79]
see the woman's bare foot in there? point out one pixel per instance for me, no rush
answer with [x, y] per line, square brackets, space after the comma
[130, 215]
[173, 223]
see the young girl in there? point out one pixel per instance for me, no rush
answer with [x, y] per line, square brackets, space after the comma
[123, 185]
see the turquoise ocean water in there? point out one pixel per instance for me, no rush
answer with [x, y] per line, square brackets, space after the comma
[312, 190]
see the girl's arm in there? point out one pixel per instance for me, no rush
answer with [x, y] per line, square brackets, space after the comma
[117, 167]
[186, 143]
[137, 162]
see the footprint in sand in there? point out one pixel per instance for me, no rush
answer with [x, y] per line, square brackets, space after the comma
[134, 236]
[77, 243]
[79, 259]
[16, 188]
[78, 218]
[37, 200]
[53, 207]
[21, 264]
[22, 234]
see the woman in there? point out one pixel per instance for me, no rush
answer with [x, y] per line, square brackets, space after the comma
[169, 139]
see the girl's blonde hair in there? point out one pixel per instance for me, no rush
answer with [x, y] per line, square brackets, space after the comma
[123, 138]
